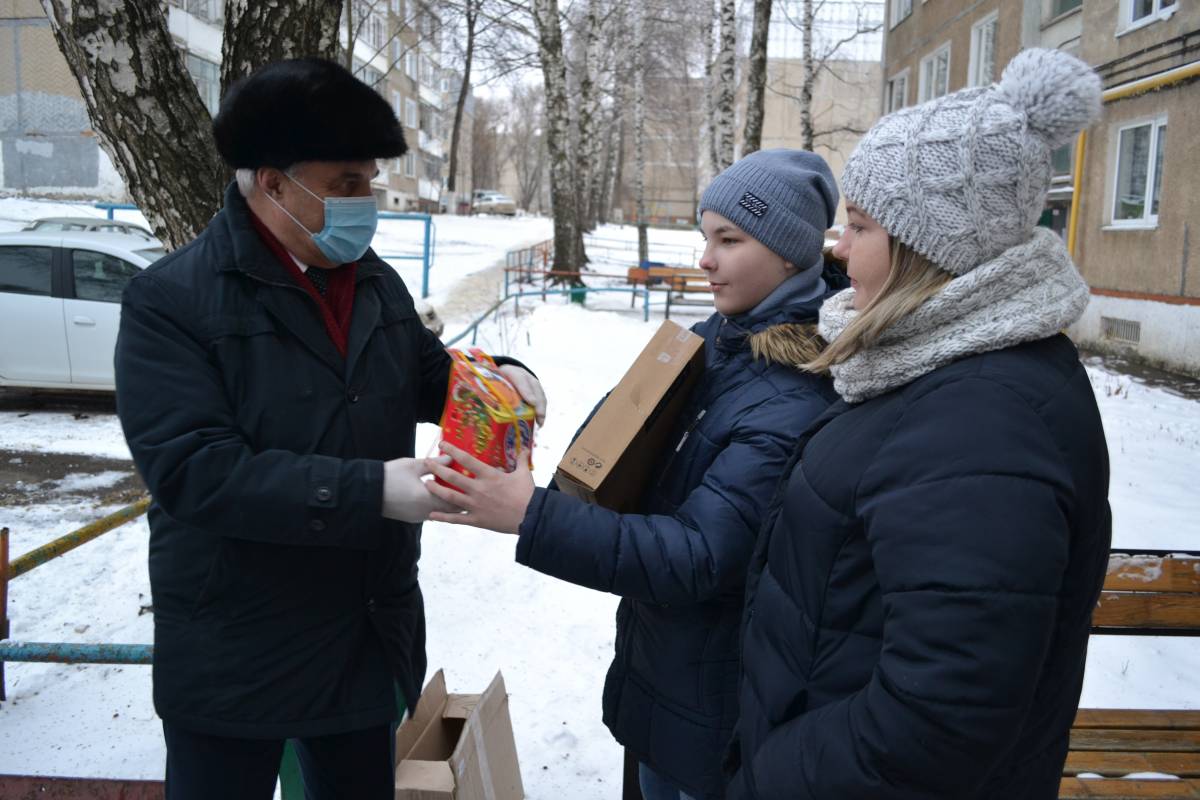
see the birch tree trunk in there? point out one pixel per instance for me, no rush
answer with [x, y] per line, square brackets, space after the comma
[471, 13]
[562, 194]
[639, 127]
[258, 33]
[756, 77]
[144, 106]
[726, 84]
[710, 115]
[808, 74]
[589, 115]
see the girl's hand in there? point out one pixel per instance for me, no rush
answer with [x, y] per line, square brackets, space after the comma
[492, 499]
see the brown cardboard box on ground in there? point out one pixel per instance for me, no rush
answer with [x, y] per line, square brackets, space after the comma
[458, 746]
[609, 462]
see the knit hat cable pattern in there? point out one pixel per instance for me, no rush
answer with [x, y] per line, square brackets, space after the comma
[962, 178]
[1028, 292]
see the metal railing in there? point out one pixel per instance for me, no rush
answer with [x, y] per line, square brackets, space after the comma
[63, 652]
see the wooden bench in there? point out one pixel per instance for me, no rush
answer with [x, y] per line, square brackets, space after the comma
[1145, 594]
[677, 282]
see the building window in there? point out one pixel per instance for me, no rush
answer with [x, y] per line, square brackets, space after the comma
[397, 165]
[935, 73]
[397, 51]
[899, 10]
[897, 92]
[410, 165]
[1060, 7]
[982, 68]
[1139, 170]
[207, 77]
[397, 8]
[1140, 10]
[1062, 160]
[410, 113]
[410, 64]
[397, 104]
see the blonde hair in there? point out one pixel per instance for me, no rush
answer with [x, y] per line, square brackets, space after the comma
[912, 280]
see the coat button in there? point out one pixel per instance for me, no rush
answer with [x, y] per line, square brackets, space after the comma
[323, 493]
[316, 525]
[371, 606]
[352, 397]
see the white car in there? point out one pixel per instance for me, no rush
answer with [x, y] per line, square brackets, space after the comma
[60, 305]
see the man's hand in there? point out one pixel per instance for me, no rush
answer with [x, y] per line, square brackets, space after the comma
[529, 387]
[493, 499]
[404, 494]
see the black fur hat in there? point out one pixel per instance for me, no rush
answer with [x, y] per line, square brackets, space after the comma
[305, 109]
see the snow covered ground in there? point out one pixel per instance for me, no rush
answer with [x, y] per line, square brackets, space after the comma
[552, 640]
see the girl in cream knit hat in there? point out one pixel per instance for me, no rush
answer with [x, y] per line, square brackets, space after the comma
[918, 606]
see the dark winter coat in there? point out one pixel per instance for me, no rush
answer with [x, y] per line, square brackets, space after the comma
[284, 604]
[919, 602]
[671, 692]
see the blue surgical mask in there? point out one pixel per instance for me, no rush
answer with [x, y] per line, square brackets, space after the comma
[350, 224]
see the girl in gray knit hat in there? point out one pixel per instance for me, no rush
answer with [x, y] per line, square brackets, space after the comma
[678, 556]
[918, 606]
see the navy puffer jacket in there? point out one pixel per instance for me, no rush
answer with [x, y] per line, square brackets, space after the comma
[671, 692]
[918, 604]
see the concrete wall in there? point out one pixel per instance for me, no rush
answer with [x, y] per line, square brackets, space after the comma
[46, 142]
[1156, 259]
[935, 22]
[1169, 335]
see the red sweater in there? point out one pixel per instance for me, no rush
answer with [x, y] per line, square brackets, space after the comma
[336, 305]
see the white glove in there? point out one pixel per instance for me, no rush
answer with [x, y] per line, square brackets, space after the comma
[528, 387]
[404, 494]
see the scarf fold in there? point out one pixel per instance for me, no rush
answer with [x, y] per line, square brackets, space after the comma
[1028, 292]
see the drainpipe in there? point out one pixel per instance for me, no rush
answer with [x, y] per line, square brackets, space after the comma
[1130, 89]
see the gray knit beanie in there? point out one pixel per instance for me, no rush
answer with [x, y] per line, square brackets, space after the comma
[786, 199]
[962, 178]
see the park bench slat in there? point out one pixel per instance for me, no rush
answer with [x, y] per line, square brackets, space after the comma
[1147, 610]
[1178, 741]
[1081, 788]
[1138, 719]
[1136, 573]
[1116, 765]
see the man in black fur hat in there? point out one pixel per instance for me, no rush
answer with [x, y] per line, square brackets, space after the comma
[270, 376]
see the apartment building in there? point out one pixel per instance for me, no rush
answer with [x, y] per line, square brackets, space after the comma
[48, 148]
[1122, 195]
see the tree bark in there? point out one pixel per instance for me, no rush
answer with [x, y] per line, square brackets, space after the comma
[145, 108]
[471, 11]
[808, 75]
[756, 77]
[639, 127]
[562, 194]
[726, 84]
[710, 86]
[588, 114]
[258, 33]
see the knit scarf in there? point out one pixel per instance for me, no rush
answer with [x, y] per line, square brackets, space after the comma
[1028, 292]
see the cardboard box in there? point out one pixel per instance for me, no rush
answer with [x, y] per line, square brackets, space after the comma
[458, 746]
[610, 461]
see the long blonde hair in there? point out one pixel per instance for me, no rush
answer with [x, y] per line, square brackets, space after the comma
[912, 280]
